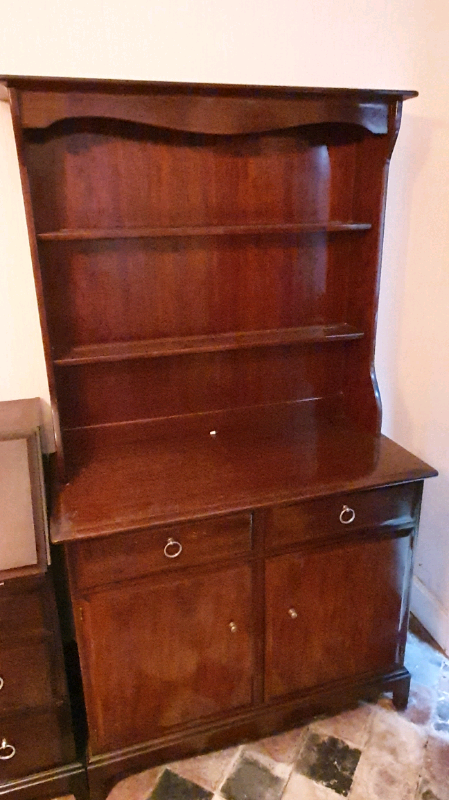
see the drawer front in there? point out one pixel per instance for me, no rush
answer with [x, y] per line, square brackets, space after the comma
[132, 555]
[27, 675]
[21, 612]
[340, 514]
[34, 741]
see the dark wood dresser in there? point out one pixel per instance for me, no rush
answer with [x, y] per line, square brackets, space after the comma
[238, 535]
[37, 750]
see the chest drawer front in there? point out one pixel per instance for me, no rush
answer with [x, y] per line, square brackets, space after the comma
[341, 514]
[133, 555]
[33, 741]
[27, 675]
[21, 612]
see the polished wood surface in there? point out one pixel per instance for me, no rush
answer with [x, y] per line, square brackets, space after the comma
[256, 458]
[233, 109]
[342, 514]
[335, 613]
[208, 274]
[35, 716]
[134, 555]
[27, 673]
[197, 230]
[188, 653]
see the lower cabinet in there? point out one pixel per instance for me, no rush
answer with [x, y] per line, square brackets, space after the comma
[164, 651]
[335, 613]
[260, 624]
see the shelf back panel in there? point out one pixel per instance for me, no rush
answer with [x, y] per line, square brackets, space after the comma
[105, 393]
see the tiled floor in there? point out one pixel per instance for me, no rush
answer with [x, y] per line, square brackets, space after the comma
[370, 753]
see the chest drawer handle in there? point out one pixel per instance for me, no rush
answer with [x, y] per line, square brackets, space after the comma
[168, 549]
[347, 515]
[2, 683]
[11, 750]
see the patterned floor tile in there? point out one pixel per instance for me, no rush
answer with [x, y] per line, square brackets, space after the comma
[391, 762]
[208, 771]
[282, 748]
[136, 787]
[251, 780]
[329, 761]
[301, 788]
[351, 726]
[436, 766]
[172, 787]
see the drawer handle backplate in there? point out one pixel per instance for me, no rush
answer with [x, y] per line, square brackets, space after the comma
[347, 515]
[168, 549]
[11, 750]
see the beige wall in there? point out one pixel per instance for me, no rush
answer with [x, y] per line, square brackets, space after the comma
[386, 44]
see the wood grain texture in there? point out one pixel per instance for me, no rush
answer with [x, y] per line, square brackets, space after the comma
[235, 113]
[35, 715]
[201, 669]
[136, 554]
[209, 268]
[184, 472]
[339, 595]
[318, 519]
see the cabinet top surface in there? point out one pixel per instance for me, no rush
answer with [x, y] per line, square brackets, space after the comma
[19, 418]
[184, 469]
[49, 83]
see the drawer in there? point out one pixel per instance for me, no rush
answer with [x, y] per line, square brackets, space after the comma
[28, 676]
[132, 555]
[337, 515]
[22, 607]
[34, 741]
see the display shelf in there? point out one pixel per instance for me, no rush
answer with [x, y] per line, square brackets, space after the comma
[153, 348]
[79, 234]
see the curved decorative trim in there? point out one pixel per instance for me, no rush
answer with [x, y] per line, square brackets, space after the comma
[206, 114]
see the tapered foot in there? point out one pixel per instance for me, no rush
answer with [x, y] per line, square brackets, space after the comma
[401, 692]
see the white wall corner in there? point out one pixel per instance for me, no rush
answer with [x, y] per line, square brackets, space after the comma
[431, 613]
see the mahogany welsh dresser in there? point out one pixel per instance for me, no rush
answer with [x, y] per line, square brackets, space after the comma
[237, 534]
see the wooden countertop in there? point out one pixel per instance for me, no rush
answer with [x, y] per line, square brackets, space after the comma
[176, 469]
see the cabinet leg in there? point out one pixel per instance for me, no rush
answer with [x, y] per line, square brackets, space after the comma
[401, 692]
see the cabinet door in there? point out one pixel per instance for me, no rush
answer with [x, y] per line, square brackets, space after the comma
[160, 654]
[334, 613]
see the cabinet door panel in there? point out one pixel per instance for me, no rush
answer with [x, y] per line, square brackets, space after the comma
[156, 655]
[334, 613]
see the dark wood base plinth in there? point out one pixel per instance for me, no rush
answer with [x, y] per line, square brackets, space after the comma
[65, 780]
[104, 771]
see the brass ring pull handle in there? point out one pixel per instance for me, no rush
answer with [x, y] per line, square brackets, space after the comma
[347, 515]
[168, 549]
[2, 683]
[11, 751]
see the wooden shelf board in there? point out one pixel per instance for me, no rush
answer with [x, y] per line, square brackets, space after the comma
[153, 348]
[201, 230]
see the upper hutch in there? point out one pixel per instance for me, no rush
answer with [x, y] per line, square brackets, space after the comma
[207, 265]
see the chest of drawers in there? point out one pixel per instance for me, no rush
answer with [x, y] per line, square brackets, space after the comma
[37, 748]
